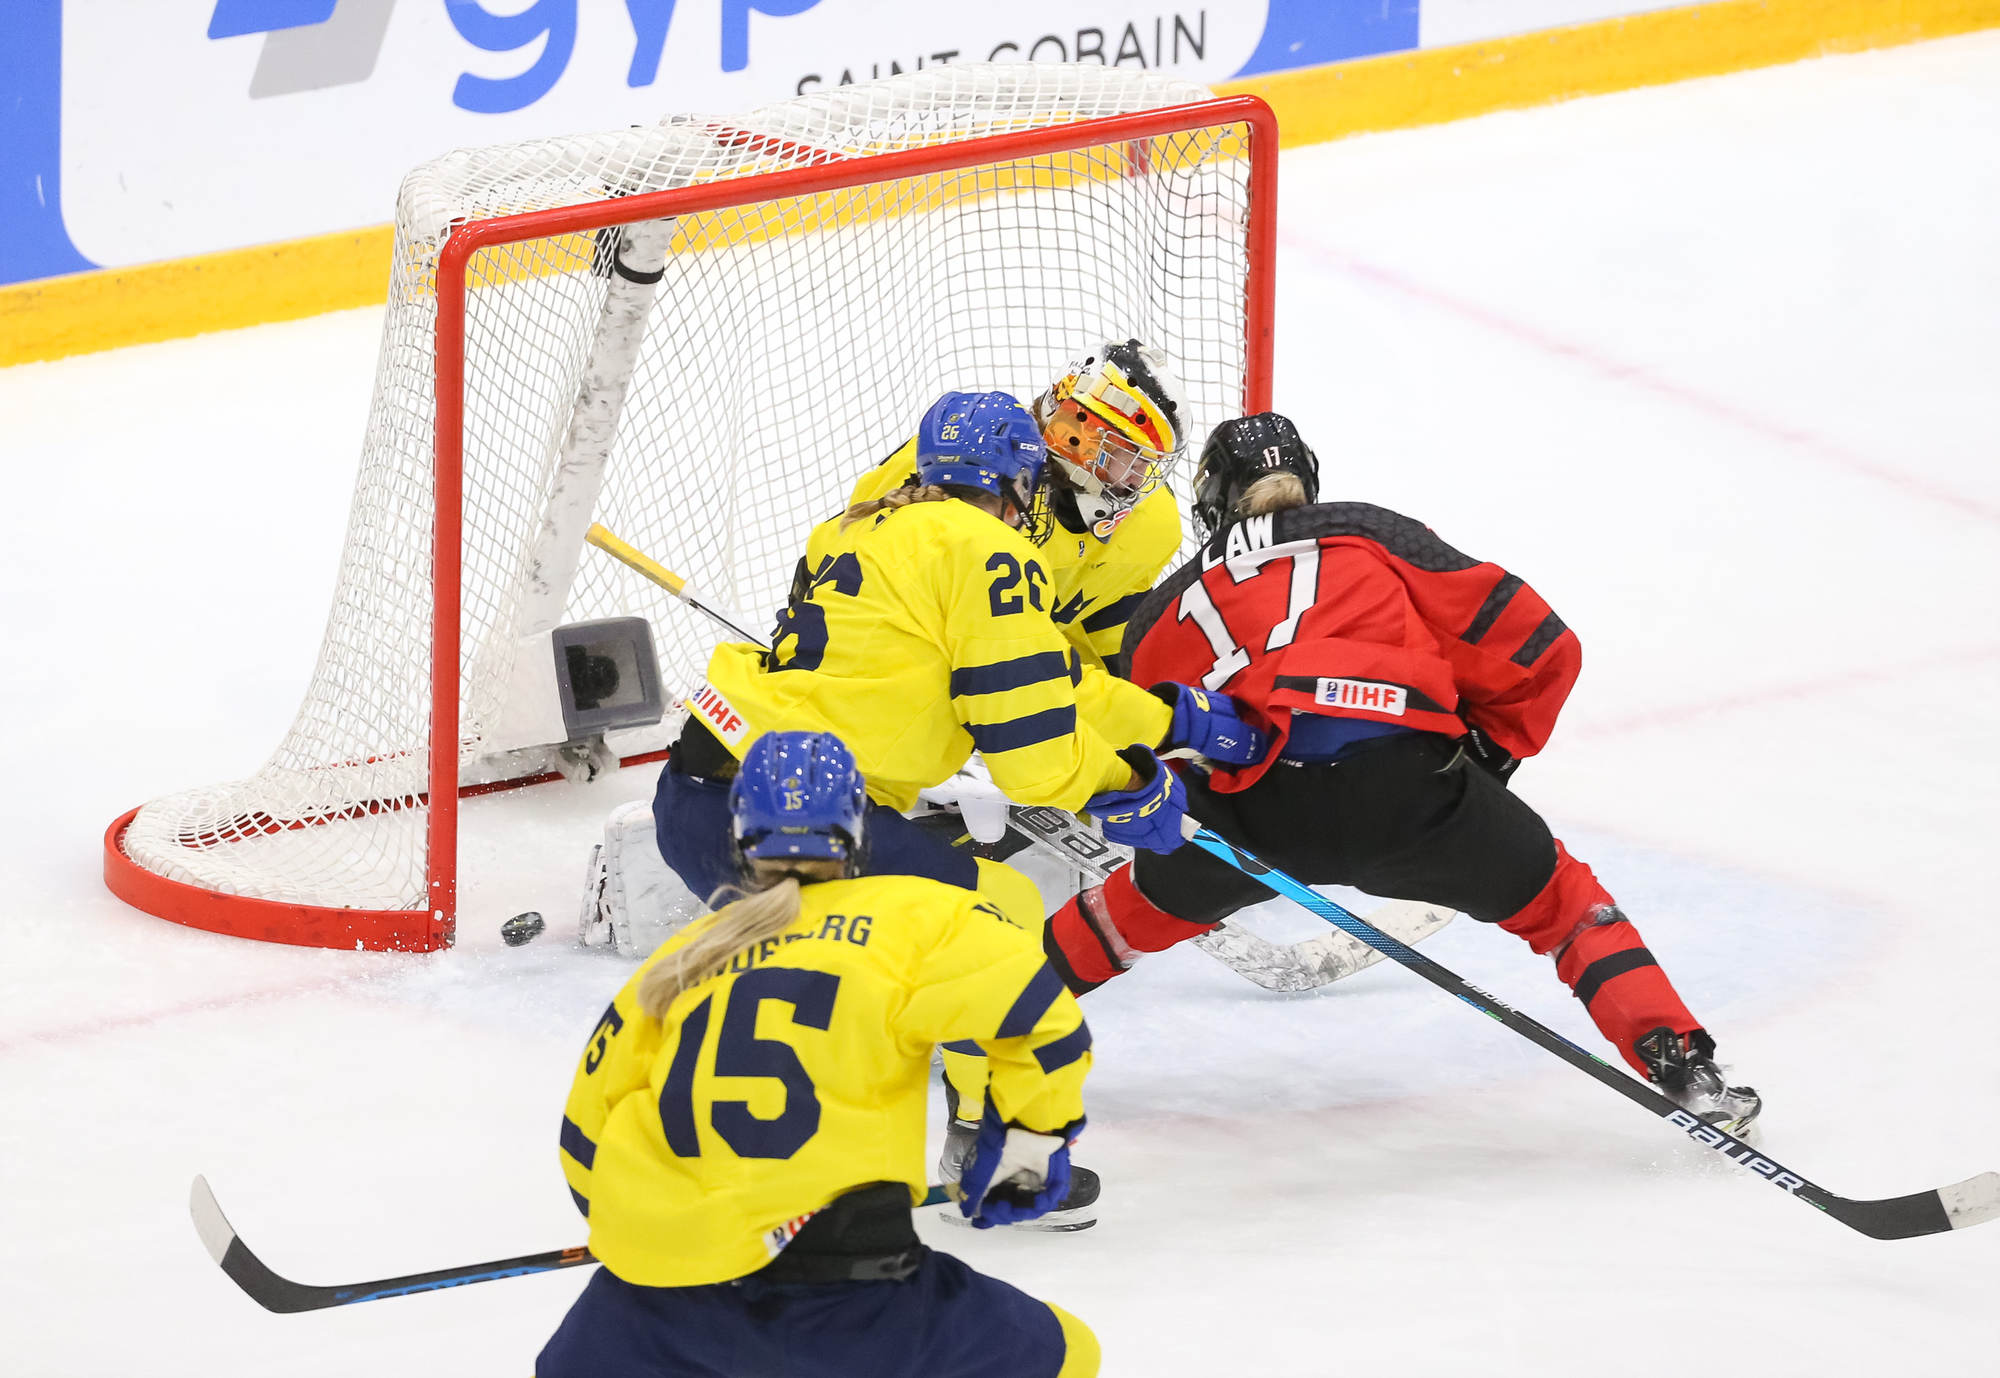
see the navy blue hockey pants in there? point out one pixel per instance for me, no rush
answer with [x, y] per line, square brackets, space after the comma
[943, 1321]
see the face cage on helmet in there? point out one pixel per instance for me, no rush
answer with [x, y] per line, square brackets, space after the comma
[1120, 470]
[1037, 516]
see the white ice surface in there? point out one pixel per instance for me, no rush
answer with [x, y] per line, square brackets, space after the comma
[1712, 365]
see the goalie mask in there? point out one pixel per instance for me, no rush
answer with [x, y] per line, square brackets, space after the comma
[1114, 424]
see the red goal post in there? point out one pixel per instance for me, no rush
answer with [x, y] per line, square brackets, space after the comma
[271, 860]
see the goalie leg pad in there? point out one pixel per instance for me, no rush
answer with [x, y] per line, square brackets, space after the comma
[640, 902]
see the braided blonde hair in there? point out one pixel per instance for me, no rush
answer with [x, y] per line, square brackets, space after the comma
[891, 500]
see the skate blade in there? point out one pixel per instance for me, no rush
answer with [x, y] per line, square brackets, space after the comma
[1055, 1222]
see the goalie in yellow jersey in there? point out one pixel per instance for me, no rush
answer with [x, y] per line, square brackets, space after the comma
[745, 1132]
[1115, 424]
[919, 630]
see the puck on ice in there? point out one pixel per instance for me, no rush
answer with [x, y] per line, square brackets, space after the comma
[522, 928]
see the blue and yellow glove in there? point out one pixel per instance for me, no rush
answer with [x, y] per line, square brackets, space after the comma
[1209, 724]
[1012, 1174]
[1148, 816]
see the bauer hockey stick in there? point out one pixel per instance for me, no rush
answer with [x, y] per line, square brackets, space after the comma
[1276, 967]
[281, 1294]
[1959, 1206]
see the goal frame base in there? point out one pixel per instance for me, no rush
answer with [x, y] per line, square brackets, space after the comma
[268, 921]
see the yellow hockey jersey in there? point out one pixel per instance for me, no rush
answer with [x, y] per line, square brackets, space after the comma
[697, 1145]
[922, 633]
[1098, 584]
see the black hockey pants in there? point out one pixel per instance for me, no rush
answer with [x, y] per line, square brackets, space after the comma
[1404, 817]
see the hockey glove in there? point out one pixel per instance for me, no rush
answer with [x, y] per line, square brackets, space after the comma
[1209, 724]
[1488, 754]
[1148, 816]
[1012, 1174]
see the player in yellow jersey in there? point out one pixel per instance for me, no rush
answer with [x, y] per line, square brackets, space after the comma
[745, 1132]
[918, 630]
[1115, 425]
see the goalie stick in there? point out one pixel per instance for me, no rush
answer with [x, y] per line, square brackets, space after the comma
[1959, 1206]
[1287, 968]
[281, 1294]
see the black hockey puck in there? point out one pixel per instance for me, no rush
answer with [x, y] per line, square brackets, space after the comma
[522, 928]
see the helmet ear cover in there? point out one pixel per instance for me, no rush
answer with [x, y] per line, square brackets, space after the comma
[1242, 451]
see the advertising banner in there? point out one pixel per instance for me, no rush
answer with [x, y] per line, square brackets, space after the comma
[142, 130]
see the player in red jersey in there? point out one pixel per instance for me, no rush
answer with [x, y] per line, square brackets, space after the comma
[1401, 682]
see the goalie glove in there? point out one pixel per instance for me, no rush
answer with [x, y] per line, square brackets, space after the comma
[1148, 815]
[1209, 725]
[1012, 1174]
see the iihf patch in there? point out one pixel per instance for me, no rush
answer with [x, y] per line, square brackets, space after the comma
[1370, 695]
[720, 715]
[776, 1238]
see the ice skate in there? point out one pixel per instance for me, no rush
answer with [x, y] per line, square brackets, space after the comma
[1078, 1210]
[1685, 1069]
[593, 920]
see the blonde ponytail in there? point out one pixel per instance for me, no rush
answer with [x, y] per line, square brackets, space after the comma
[765, 912]
[891, 500]
[1272, 493]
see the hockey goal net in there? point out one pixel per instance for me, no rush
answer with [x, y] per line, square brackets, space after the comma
[698, 333]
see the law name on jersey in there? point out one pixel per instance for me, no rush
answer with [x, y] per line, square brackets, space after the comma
[1250, 534]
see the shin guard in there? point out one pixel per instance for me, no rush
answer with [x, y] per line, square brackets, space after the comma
[1102, 931]
[1600, 956]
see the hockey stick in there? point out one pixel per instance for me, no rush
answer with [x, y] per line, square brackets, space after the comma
[601, 537]
[281, 1294]
[1295, 967]
[1959, 1206]
[1287, 968]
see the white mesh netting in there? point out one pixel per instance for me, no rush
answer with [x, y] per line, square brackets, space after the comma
[789, 345]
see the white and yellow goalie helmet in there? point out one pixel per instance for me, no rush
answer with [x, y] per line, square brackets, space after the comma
[1114, 424]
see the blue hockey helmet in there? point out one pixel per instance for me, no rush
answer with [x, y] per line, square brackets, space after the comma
[798, 795]
[988, 441]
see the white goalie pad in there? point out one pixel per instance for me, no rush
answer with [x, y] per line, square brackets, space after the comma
[978, 800]
[632, 900]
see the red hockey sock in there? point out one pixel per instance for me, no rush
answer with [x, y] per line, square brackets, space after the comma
[1101, 931]
[1601, 957]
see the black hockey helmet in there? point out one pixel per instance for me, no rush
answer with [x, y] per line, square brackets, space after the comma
[1240, 452]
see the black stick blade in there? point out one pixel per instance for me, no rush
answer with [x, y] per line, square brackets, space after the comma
[1959, 1206]
[280, 1294]
[244, 1268]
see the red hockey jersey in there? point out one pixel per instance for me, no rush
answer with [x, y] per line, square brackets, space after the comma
[1354, 611]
